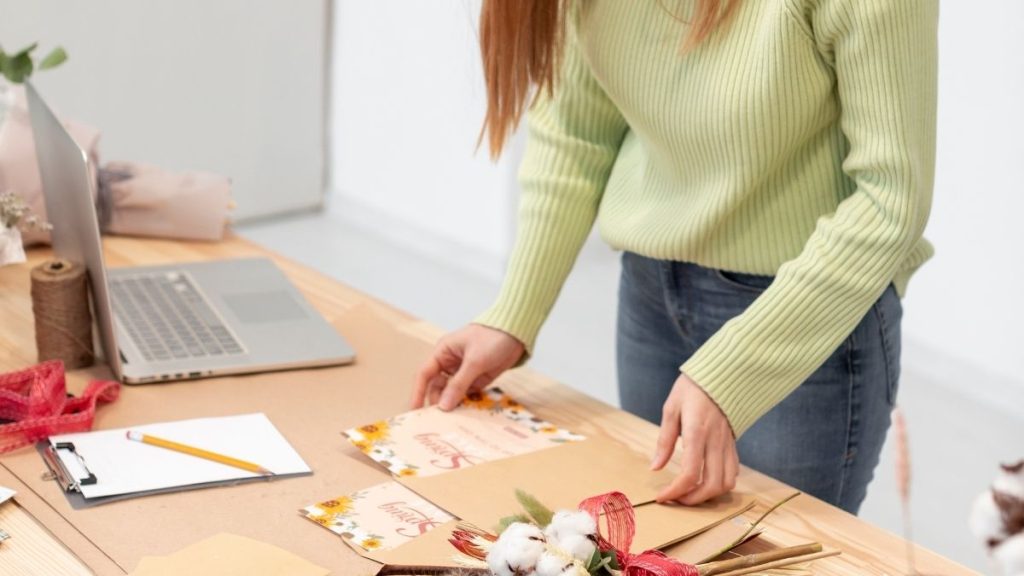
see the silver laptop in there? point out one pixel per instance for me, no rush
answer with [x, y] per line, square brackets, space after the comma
[160, 323]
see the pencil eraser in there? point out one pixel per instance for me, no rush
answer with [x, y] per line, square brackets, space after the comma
[133, 435]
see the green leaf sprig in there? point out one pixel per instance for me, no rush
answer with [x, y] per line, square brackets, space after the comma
[536, 513]
[18, 67]
[602, 562]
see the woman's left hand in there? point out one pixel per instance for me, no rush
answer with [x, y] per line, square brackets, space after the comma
[710, 462]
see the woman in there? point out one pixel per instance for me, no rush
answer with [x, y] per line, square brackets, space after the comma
[768, 181]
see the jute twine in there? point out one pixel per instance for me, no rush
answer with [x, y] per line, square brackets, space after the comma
[60, 303]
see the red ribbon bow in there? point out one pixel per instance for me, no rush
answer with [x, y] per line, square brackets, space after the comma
[618, 514]
[36, 400]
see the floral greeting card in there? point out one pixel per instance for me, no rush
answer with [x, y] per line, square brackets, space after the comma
[488, 425]
[379, 518]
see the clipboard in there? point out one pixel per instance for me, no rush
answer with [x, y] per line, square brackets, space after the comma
[59, 472]
[100, 467]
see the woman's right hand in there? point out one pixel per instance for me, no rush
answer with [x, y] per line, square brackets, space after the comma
[464, 361]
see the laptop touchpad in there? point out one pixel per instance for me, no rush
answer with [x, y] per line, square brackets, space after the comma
[262, 307]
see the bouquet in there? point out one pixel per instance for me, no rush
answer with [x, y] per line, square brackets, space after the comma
[540, 542]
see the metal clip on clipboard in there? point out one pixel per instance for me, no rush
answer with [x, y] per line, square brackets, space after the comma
[59, 471]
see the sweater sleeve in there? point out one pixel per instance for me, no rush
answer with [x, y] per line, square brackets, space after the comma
[574, 138]
[884, 56]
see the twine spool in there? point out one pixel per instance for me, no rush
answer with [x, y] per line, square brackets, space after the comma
[60, 303]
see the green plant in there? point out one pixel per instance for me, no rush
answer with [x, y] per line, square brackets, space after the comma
[17, 67]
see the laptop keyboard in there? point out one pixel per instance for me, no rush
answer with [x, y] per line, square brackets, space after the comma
[168, 319]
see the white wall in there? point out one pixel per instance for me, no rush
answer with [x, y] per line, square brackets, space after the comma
[231, 86]
[964, 312]
[408, 98]
[407, 105]
[968, 303]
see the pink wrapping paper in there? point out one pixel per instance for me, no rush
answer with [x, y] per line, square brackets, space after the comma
[146, 200]
[134, 198]
[19, 169]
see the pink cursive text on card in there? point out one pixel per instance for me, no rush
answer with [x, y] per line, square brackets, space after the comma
[406, 514]
[451, 456]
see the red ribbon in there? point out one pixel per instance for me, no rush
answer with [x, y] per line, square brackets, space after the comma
[37, 402]
[621, 523]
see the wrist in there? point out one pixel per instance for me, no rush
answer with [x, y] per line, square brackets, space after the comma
[697, 388]
[511, 338]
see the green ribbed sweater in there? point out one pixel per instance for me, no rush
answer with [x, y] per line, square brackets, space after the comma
[797, 141]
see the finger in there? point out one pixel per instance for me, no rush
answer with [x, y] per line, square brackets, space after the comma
[694, 440]
[732, 467]
[714, 471]
[480, 383]
[666, 438]
[458, 384]
[437, 385]
[430, 370]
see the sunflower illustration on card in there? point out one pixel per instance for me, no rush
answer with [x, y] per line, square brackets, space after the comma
[378, 518]
[488, 425]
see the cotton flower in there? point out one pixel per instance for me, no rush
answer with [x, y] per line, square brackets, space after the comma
[573, 532]
[986, 521]
[517, 551]
[1010, 481]
[997, 518]
[1010, 555]
[559, 563]
[553, 564]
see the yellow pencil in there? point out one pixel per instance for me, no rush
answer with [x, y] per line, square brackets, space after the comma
[198, 452]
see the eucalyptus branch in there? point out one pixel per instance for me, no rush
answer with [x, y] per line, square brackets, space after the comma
[18, 66]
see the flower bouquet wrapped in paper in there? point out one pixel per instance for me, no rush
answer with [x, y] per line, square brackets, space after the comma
[132, 198]
[593, 540]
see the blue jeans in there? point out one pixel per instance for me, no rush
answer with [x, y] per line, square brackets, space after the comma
[825, 437]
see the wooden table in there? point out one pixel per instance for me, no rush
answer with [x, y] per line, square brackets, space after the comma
[50, 538]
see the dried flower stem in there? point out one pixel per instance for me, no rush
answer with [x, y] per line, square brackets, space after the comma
[903, 481]
[782, 563]
[749, 560]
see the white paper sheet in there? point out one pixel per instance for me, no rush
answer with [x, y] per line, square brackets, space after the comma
[6, 494]
[123, 466]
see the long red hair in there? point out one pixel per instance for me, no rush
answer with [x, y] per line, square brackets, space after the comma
[521, 45]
